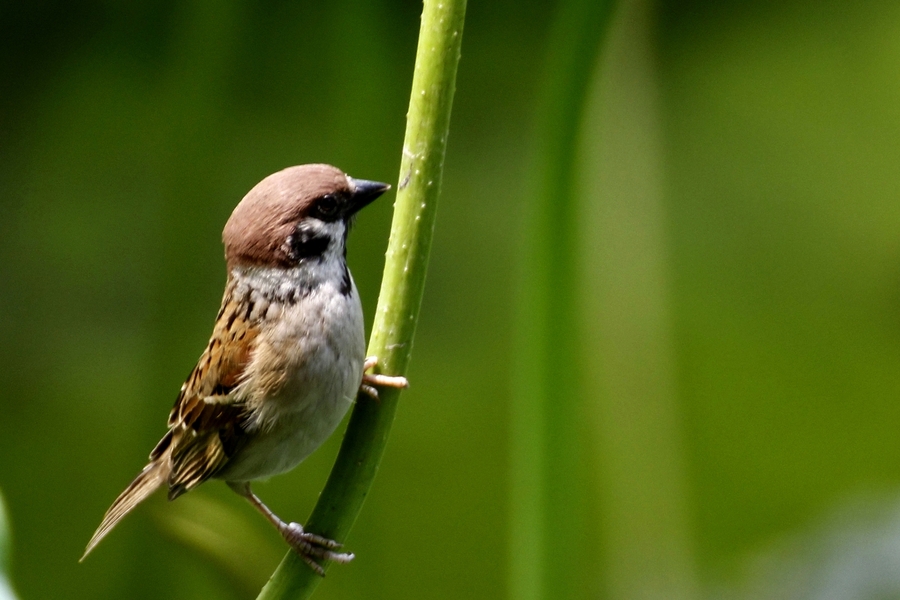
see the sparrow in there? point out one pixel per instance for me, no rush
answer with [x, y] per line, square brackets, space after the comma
[287, 354]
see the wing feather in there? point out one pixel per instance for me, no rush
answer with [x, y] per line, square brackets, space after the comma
[207, 422]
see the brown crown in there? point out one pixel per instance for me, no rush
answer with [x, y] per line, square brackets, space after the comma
[257, 229]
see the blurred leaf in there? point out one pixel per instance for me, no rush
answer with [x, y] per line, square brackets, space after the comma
[6, 592]
[548, 542]
[226, 537]
[628, 356]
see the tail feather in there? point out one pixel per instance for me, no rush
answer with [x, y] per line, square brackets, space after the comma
[153, 476]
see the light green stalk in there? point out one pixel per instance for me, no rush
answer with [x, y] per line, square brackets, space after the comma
[421, 167]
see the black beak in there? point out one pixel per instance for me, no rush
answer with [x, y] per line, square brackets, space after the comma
[364, 192]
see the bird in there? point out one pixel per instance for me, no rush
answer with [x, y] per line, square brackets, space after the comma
[286, 358]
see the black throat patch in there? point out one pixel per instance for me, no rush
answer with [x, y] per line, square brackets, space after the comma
[346, 282]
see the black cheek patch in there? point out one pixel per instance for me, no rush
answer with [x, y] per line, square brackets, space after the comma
[306, 244]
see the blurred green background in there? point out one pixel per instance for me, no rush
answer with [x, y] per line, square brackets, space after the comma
[740, 290]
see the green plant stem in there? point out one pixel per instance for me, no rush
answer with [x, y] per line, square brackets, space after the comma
[547, 538]
[421, 167]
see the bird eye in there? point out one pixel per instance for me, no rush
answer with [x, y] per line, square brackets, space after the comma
[327, 206]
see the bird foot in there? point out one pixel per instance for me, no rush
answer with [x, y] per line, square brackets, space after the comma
[371, 380]
[312, 548]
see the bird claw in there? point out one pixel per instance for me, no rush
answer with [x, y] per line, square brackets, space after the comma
[371, 381]
[368, 390]
[312, 547]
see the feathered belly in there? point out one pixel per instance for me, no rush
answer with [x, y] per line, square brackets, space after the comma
[281, 448]
[323, 348]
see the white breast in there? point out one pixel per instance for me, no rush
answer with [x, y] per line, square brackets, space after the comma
[315, 348]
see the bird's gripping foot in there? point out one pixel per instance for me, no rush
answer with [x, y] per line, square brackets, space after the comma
[312, 548]
[372, 381]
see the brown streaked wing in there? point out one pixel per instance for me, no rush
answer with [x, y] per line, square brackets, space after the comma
[206, 421]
